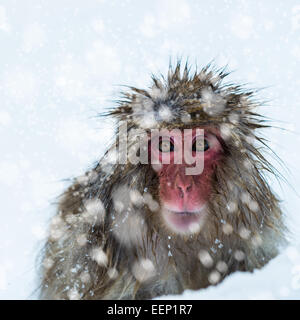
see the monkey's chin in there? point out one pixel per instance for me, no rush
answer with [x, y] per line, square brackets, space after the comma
[184, 222]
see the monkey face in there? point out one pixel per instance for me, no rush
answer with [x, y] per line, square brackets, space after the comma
[183, 196]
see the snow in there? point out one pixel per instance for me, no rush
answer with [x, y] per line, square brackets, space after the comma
[165, 15]
[99, 256]
[4, 25]
[63, 63]
[242, 26]
[143, 270]
[296, 17]
[33, 37]
[280, 279]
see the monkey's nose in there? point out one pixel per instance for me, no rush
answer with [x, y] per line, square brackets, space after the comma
[184, 189]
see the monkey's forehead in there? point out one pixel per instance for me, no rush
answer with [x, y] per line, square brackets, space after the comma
[148, 113]
[187, 101]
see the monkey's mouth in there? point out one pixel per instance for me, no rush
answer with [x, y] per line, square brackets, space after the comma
[184, 222]
[185, 213]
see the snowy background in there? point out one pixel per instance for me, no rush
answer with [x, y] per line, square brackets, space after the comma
[63, 61]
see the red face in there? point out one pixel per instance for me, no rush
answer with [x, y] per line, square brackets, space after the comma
[184, 196]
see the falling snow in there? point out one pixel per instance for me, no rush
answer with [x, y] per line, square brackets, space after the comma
[58, 74]
[143, 270]
[205, 258]
[98, 255]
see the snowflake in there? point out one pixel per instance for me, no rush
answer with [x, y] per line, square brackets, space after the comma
[205, 258]
[98, 255]
[143, 270]
[214, 277]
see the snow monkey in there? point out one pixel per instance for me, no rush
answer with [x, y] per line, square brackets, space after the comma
[142, 229]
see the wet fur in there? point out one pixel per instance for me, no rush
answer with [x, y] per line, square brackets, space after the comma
[240, 173]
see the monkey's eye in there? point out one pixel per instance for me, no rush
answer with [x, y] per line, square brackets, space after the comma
[166, 145]
[200, 145]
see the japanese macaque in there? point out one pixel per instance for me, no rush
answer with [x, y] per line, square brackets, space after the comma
[141, 229]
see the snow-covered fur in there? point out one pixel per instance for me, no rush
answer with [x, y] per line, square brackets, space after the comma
[108, 240]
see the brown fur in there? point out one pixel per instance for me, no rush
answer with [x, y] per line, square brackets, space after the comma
[244, 228]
